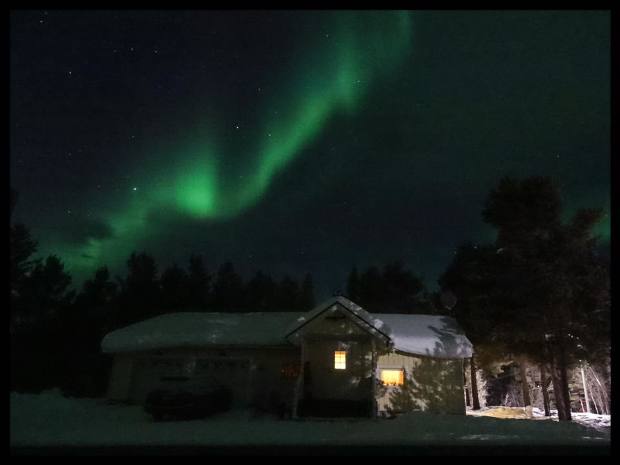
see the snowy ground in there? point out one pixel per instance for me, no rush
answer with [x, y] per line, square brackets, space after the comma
[601, 423]
[48, 419]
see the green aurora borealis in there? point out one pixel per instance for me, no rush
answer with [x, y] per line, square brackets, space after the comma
[328, 81]
[296, 141]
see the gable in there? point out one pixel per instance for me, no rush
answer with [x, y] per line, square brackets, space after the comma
[338, 317]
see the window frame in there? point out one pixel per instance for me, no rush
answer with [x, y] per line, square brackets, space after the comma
[401, 376]
[342, 359]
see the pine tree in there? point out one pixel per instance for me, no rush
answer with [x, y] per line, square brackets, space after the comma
[552, 277]
[199, 283]
[228, 290]
[260, 293]
[141, 293]
[307, 294]
[288, 295]
[175, 290]
[23, 247]
[353, 285]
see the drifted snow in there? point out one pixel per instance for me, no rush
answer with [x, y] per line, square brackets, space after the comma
[49, 419]
[429, 335]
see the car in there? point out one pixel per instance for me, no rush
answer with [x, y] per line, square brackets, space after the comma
[187, 405]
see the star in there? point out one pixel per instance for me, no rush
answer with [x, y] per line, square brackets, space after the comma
[134, 188]
[236, 126]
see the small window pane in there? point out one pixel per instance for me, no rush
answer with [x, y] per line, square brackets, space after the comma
[340, 360]
[392, 377]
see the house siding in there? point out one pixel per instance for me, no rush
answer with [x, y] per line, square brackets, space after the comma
[431, 384]
[254, 375]
[120, 377]
[321, 339]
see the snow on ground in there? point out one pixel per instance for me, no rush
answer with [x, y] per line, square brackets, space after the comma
[49, 419]
[592, 420]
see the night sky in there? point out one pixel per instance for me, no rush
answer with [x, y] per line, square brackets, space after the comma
[297, 142]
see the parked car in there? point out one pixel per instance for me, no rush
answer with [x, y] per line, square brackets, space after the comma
[187, 405]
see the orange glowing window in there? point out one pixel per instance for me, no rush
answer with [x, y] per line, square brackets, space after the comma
[392, 377]
[340, 360]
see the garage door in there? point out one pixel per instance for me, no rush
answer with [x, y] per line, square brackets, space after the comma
[158, 373]
[231, 373]
[194, 374]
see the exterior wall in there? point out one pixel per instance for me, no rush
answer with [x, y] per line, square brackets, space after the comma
[431, 384]
[320, 339]
[120, 377]
[254, 375]
[323, 381]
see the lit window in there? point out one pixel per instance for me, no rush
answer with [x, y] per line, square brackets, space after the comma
[392, 377]
[340, 360]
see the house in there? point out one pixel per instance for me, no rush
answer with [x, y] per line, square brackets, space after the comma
[336, 360]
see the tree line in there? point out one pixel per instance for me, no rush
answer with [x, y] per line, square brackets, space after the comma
[538, 295]
[534, 301]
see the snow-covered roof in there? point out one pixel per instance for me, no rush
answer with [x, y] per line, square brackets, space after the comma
[430, 335]
[191, 329]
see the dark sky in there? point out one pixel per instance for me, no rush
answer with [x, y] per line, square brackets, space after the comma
[297, 142]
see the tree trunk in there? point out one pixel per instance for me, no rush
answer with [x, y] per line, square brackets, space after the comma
[602, 390]
[557, 392]
[560, 385]
[525, 386]
[474, 384]
[585, 389]
[467, 401]
[543, 386]
[596, 409]
[564, 384]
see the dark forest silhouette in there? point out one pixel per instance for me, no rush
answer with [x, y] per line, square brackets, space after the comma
[535, 298]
